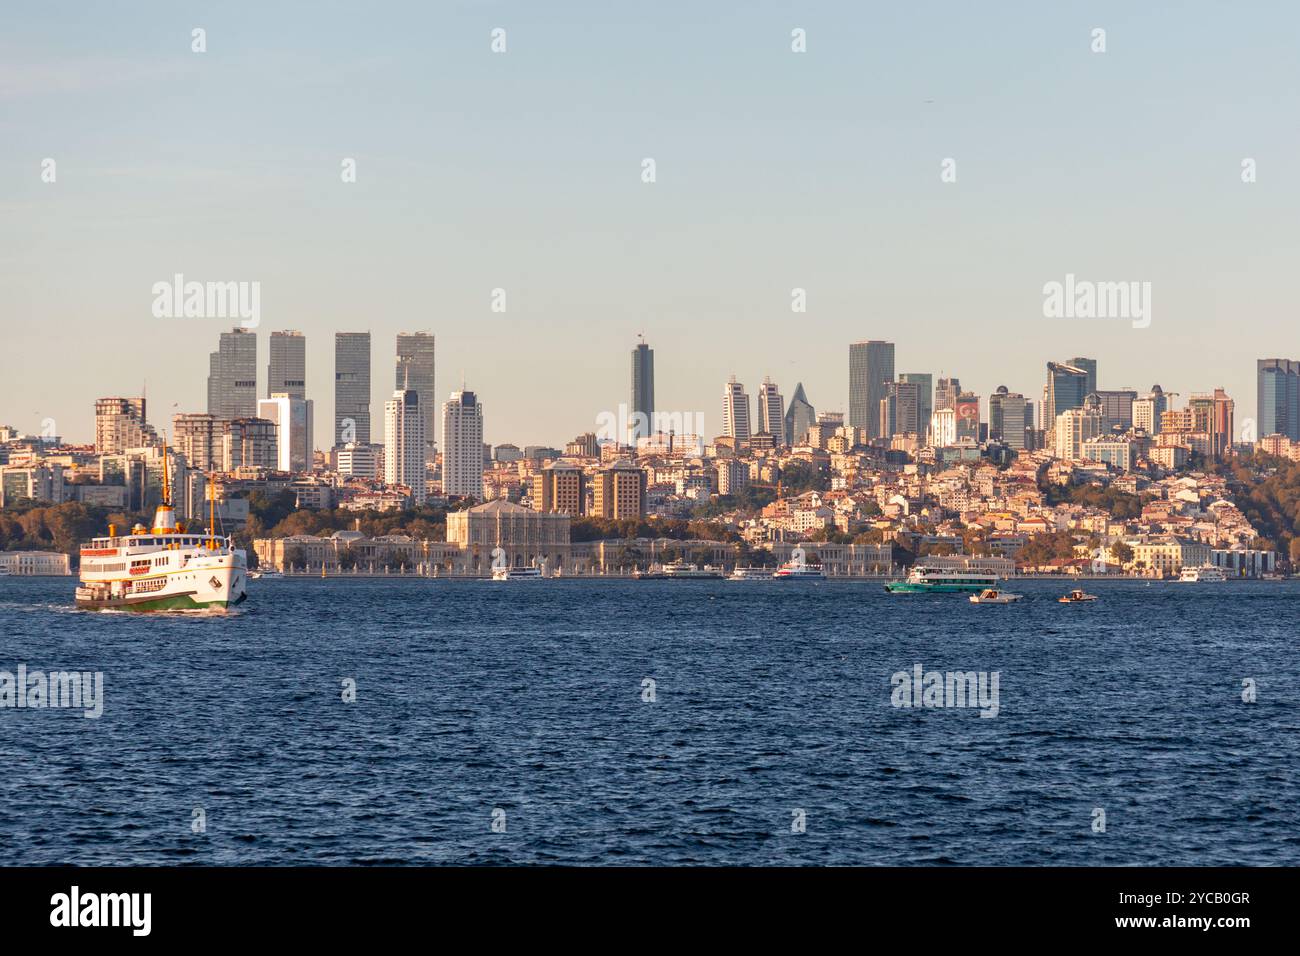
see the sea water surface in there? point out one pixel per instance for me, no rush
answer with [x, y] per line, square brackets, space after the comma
[512, 723]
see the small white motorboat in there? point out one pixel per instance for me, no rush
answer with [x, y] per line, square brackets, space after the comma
[994, 596]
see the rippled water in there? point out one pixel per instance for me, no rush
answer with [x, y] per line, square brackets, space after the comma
[770, 698]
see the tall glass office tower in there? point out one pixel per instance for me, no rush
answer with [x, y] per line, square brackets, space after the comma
[286, 373]
[232, 376]
[351, 387]
[871, 369]
[1278, 397]
[415, 353]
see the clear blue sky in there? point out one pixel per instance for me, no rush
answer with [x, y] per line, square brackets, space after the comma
[522, 170]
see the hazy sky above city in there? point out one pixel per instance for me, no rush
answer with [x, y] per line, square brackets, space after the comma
[523, 171]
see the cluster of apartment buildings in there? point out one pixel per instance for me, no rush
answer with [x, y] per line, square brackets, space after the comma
[914, 452]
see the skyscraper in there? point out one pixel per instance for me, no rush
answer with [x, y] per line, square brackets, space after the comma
[198, 437]
[1088, 365]
[771, 412]
[799, 416]
[1212, 415]
[1148, 409]
[871, 368]
[641, 414]
[1067, 386]
[1278, 397]
[351, 388]
[462, 445]
[415, 354]
[214, 383]
[946, 392]
[1116, 408]
[735, 411]
[120, 424]
[1073, 427]
[286, 372]
[995, 412]
[293, 430]
[232, 376]
[1011, 416]
[248, 443]
[925, 398]
[404, 442]
[967, 407]
[943, 427]
[900, 410]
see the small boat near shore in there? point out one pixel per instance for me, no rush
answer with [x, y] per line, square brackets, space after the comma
[994, 596]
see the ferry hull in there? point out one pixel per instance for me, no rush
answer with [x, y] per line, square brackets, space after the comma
[206, 582]
[905, 587]
[167, 602]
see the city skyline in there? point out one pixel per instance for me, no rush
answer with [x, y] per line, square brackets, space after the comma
[588, 255]
[235, 357]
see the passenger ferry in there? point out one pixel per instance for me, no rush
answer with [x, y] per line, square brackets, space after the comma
[163, 568]
[516, 574]
[680, 569]
[936, 579]
[1207, 572]
[750, 574]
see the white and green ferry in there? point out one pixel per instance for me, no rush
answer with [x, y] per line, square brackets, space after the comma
[941, 579]
[163, 568]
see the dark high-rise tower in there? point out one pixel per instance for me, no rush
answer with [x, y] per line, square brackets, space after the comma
[1067, 386]
[286, 373]
[351, 387]
[232, 376]
[1011, 418]
[641, 414]
[1089, 365]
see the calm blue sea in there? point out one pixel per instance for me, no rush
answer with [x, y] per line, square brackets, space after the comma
[525, 706]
